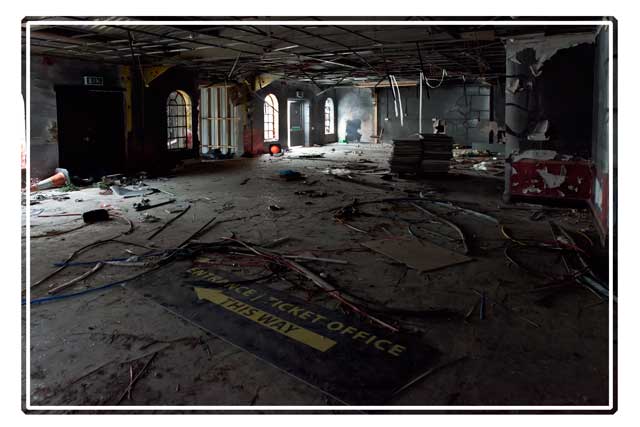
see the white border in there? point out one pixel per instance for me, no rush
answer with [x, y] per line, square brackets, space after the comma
[391, 408]
[27, 250]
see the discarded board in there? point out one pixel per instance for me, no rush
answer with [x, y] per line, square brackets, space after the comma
[347, 358]
[132, 192]
[417, 254]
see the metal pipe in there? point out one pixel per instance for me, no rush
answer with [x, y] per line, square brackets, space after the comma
[334, 42]
[420, 106]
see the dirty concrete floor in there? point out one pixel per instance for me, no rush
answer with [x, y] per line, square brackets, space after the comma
[527, 350]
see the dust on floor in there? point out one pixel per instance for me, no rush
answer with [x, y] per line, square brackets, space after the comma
[528, 349]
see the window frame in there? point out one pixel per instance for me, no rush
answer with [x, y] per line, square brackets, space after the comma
[329, 117]
[179, 126]
[219, 120]
[270, 119]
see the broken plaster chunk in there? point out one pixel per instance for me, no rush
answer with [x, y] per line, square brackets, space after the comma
[531, 189]
[536, 155]
[552, 180]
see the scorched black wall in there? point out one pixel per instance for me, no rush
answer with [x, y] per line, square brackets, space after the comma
[151, 151]
[47, 73]
[465, 108]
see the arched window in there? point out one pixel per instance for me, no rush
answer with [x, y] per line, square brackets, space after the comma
[179, 121]
[270, 118]
[328, 117]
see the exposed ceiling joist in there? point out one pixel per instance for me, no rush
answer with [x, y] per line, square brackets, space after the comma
[323, 54]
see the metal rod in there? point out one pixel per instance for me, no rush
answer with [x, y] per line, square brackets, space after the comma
[420, 106]
[168, 223]
[334, 42]
[446, 221]
[233, 67]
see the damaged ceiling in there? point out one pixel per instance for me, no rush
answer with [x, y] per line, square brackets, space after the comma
[322, 54]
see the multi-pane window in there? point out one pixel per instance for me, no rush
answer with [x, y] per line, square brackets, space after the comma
[328, 117]
[270, 118]
[219, 121]
[178, 121]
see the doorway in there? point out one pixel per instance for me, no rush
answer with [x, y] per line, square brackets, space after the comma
[91, 139]
[297, 123]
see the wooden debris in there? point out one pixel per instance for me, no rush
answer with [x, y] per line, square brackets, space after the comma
[531, 322]
[310, 258]
[135, 379]
[429, 372]
[168, 223]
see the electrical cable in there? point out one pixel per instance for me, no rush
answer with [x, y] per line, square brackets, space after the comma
[203, 283]
[399, 99]
[87, 291]
[81, 263]
[426, 79]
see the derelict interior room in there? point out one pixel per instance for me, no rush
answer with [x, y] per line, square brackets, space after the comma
[328, 213]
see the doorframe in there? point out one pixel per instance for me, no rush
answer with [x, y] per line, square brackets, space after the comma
[289, 102]
[306, 117]
[61, 89]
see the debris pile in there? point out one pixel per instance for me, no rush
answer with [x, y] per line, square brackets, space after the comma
[478, 163]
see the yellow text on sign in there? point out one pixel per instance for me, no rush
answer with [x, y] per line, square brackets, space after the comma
[268, 320]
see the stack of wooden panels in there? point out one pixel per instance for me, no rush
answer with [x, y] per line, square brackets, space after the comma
[406, 156]
[431, 154]
[436, 153]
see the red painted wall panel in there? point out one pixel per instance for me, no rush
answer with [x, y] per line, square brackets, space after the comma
[571, 180]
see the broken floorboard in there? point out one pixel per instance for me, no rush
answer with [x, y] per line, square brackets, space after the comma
[351, 360]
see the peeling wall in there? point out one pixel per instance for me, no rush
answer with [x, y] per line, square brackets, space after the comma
[551, 78]
[545, 47]
[565, 98]
[600, 135]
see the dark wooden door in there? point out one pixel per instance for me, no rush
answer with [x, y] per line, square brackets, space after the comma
[90, 131]
[296, 123]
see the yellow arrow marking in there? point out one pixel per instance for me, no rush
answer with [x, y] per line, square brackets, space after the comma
[265, 319]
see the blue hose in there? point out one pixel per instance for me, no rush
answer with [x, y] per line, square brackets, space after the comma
[87, 291]
[58, 297]
[72, 264]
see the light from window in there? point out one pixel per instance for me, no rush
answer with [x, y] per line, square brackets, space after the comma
[270, 118]
[179, 121]
[219, 121]
[328, 117]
